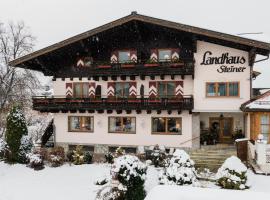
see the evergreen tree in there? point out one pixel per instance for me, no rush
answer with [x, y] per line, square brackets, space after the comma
[16, 129]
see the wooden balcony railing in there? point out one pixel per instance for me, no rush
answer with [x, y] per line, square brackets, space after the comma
[139, 68]
[61, 103]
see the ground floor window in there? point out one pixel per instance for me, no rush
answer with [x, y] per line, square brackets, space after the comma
[80, 124]
[167, 125]
[265, 123]
[122, 124]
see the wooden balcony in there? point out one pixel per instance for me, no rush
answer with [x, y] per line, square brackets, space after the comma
[104, 70]
[59, 103]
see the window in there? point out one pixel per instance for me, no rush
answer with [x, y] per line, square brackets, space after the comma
[122, 89]
[164, 55]
[265, 123]
[122, 124]
[124, 56]
[166, 125]
[222, 89]
[166, 89]
[80, 124]
[81, 90]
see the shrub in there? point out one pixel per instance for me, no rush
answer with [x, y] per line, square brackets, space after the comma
[87, 156]
[232, 174]
[56, 156]
[70, 154]
[131, 173]
[180, 170]
[36, 161]
[16, 128]
[158, 157]
[25, 148]
[119, 152]
[101, 181]
[109, 157]
[3, 149]
[78, 156]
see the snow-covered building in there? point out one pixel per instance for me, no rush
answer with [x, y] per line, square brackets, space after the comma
[141, 81]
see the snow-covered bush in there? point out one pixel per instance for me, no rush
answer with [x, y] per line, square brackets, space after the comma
[56, 156]
[78, 156]
[101, 181]
[180, 170]
[16, 128]
[158, 156]
[119, 152]
[131, 174]
[36, 161]
[3, 149]
[109, 157]
[25, 148]
[232, 174]
[69, 155]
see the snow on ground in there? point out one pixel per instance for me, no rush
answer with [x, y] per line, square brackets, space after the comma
[71, 182]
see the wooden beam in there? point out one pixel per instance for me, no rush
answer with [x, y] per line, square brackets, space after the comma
[123, 77]
[148, 111]
[251, 56]
[128, 111]
[104, 78]
[109, 111]
[119, 111]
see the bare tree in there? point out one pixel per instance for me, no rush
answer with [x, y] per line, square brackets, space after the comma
[16, 84]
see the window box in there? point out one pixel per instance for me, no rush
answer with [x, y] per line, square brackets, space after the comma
[151, 64]
[127, 65]
[104, 66]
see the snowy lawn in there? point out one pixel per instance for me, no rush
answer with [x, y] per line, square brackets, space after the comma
[67, 182]
[77, 182]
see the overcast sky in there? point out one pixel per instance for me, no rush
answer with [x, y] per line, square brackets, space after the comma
[51, 21]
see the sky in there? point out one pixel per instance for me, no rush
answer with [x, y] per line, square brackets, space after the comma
[51, 21]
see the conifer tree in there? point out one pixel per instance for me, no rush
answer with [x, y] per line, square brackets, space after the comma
[16, 129]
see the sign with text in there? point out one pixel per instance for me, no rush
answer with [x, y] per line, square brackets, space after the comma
[226, 61]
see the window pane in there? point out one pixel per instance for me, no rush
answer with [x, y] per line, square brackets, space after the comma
[125, 89]
[87, 123]
[211, 89]
[164, 55]
[233, 89]
[265, 123]
[74, 123]
[124, 56]
[171, 89]
[158, 125]
[222, 89]
[161, 89]
[122, 124]
[174, 125]
[77, 90]
[118, 89]
[85, 89]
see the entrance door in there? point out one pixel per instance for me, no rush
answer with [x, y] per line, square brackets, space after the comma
[223, 126]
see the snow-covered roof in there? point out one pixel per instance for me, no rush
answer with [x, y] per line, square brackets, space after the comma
[260, 103]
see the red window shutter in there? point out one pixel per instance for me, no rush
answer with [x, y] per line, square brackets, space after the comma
[179, 88]
[154, 55]
[175, 54]
[69, 91]
[133, 89]
[111, 89]
[114, 57]
[133, 56]
[152, 89]
[92, 89]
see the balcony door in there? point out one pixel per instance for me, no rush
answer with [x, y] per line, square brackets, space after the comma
[224, 128]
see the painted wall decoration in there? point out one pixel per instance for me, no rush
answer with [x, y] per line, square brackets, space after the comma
[152, 89]
[226, 61]
[133, 56]
[154, 55]
[111, 89]
[175, 54]
[84, 62]
[114, 57]
[69, 91]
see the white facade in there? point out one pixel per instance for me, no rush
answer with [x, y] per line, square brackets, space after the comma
[205, 107]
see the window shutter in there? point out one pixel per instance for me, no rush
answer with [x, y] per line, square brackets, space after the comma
[69, 91]
[154, 55]
[175, 54]
[111, 89]
[179, 90]
[133, 89]
[133, 56]
[152, 89]
[92, 91]
[114, 57]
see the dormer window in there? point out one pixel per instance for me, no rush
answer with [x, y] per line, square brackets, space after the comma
[124, 56]
[164, 55]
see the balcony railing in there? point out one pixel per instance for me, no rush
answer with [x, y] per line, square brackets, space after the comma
[64, 104]
[139, 68]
